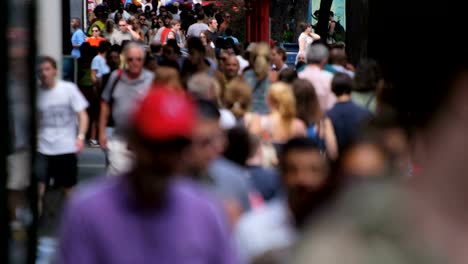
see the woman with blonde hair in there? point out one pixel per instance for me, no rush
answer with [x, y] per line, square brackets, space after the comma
[279, 125]
[257, 77]
[319, 126]
[238, 98]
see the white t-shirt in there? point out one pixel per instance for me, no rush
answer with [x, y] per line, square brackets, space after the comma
[57, 118]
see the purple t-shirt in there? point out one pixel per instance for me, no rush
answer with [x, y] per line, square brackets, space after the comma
[103, 224]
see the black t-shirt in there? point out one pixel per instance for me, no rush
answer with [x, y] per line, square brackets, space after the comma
[212, 36]
[347, 118]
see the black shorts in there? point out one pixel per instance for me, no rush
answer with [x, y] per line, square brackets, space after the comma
[57, 171]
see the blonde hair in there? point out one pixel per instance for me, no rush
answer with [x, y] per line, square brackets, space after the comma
[261, 59]
[281, 98]
[168, 76]
[238, 97]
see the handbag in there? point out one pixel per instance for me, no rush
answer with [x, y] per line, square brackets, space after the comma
[110, 120]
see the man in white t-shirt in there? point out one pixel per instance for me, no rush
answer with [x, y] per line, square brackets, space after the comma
[62, 123]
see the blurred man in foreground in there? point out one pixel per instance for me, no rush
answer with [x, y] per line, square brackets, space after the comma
[150, 214]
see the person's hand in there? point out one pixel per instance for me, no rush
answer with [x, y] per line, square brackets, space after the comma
[79, 145]
[350, 67]
[129, 27]
[103, 140]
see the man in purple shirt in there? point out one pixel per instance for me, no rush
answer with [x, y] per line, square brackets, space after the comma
[150, 215]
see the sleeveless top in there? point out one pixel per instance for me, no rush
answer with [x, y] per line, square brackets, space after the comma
[313, 132]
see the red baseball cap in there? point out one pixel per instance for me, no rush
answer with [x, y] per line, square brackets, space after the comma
[165, 114]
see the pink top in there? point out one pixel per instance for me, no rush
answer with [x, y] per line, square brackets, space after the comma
[321, 80]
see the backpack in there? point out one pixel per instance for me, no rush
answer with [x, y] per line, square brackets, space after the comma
[340, 33]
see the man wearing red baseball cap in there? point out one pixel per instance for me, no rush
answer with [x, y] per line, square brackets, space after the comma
[151, 213]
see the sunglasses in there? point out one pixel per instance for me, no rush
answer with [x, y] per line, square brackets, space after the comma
[130, 59]
[94, 30]
[206, 141]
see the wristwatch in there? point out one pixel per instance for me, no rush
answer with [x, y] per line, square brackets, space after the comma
[80, 137]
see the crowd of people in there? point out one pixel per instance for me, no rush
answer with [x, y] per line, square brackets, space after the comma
[215, 154]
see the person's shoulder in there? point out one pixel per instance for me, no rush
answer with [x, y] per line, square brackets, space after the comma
[193, 194]
[226, 169]
[62, 84]
[148, 73]
[92, 197]
[327, 74]
[272, 211]
[332, 113]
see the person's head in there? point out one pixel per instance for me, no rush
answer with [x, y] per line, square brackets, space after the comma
[304, 171]
[331, 16]
[196, 51]
[338, 57]
[222, 58]
[227, 17]
[288, 75]
[172, 8]
[368, 75]
[208, 140]
[135, 24]
[169, 53]
[87, 51]
[134, 57]
[229, 32]
[231, 67]
[175, 46]
[113, 59]
[47, 70]
[117, 18]
[75, 23]
[318, 54]
[204, 38]
[167, 21]
[278, 55]
[104, 47]
[142, 19]
[238, 98]
[163, 11]
[110, 25]
[305, 27]
[123, 26]
[307, 103]
[301, 60]
[175, 25]
[200, 16]
[203, 86]
[213, 24]
[238, 145]
[168, 76]
[342, 84]
[96, 31]
[280, 98]
[260, 57]
[161, 130]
